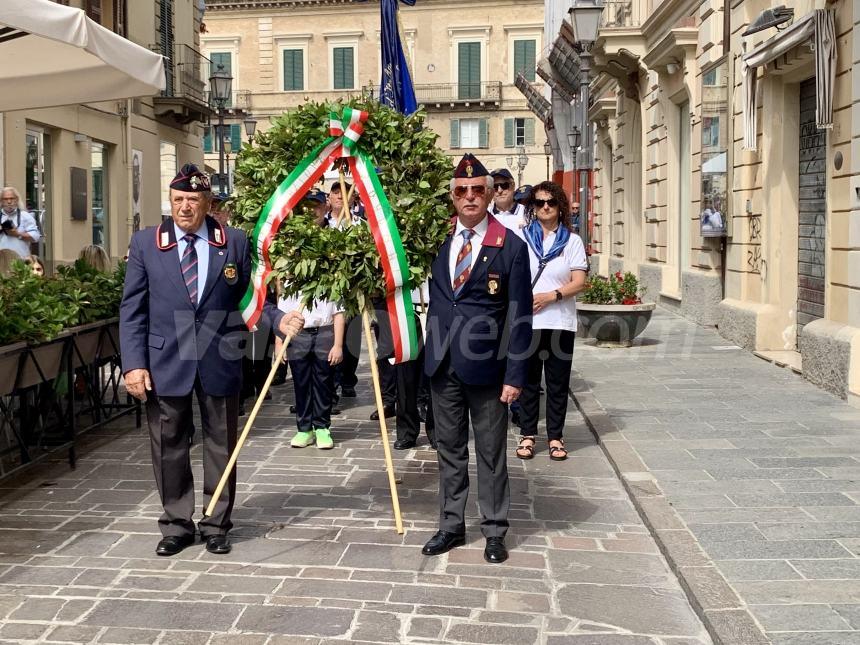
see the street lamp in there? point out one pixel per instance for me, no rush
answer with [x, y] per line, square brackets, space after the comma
[221, 85]
[250, 127]
[573, 138]
[547, 150]
[585, 19]
[522, 162]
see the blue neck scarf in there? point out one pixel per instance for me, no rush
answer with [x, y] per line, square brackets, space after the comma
[534, 238]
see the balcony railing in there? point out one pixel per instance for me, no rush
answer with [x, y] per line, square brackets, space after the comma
[240, 101]
[184, 72]
[488, 91]
[618, 13]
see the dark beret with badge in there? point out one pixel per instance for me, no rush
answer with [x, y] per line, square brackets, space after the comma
[469, 168]
[191, 179]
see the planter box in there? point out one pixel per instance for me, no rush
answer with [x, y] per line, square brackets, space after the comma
[613, 325]
[87, 339]
[109, 341]
[48, 356]
[10, 358]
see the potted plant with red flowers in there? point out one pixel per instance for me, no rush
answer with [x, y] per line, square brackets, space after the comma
[611, 310]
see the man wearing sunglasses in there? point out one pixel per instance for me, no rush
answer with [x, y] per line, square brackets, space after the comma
[478, 336]
[505, 209]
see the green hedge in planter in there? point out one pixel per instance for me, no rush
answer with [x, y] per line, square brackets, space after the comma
[36, 309]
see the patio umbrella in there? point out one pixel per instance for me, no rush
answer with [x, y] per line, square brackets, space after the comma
[54, 55]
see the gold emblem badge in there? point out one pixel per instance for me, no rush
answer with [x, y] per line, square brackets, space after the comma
[493, 286]
[469, 170]
[230, 273]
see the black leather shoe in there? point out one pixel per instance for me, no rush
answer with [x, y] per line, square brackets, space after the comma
[218, 544]
[292, 409]
[173, 544]
[443, 542]
[495, 550]
[348, 392]
[389, 412]
[403, 444]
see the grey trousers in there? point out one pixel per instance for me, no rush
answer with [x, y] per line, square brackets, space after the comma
[454, 404]
[171, 423]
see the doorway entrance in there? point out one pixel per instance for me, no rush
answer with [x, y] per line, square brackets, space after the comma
[37, 189]
[811, 212]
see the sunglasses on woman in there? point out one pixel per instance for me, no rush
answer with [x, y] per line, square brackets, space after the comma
[552, 202]
[479, 190]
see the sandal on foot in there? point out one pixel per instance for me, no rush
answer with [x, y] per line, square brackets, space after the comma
[558, 453]
[526, 450]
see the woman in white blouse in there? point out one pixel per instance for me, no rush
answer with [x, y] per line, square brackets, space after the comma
[558, 268]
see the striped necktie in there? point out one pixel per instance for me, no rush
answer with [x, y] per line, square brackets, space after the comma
[189, 267]
[464, 262]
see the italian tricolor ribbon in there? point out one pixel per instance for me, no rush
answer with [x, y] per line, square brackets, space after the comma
[345, 131]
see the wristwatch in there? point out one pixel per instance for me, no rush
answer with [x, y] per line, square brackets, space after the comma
[557, 295]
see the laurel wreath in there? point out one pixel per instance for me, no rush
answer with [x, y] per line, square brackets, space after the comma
[344, 265]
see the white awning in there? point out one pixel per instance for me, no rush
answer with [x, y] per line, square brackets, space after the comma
[818, 25]
[55, 55]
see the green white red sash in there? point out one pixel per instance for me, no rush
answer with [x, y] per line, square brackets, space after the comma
[345, 132]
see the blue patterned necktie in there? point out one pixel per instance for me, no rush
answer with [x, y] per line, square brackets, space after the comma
[189, 267]
[464, 262]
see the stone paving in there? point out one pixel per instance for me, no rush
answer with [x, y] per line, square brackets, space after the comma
[316, 559]
[748, 475]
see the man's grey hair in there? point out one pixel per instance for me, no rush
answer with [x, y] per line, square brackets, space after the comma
[14, 191]
[490, 182]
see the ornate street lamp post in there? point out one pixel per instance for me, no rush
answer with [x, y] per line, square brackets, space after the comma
[221, 86]
[547, 150]
[250, 128]
[585, 19]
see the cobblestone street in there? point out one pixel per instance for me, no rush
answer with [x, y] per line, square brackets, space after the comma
[316, 558]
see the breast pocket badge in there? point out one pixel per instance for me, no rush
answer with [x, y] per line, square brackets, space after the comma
[231, 275]
[493, 283]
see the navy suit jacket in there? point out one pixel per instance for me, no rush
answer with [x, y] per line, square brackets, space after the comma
[487, 328]
[162, 331]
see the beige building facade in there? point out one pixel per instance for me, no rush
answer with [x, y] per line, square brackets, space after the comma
[464, 58]
[94, 173]
[727, 172]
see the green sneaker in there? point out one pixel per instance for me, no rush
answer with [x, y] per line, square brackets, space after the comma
[324, 440]
[303, 439]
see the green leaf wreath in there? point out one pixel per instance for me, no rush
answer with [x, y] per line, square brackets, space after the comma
[344, 265]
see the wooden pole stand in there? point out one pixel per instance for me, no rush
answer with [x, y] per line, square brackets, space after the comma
[246, 431]
[383, 429]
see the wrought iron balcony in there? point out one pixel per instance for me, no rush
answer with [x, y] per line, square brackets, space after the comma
[184, 97]
[451, 95]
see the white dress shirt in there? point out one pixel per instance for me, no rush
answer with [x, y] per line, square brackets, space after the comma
[512, 219]
[201, 245]
[559, 314]
[477, 240]
[320, 314]
[28, 225]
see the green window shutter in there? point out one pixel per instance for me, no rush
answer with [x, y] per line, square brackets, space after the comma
[225, 59]
[207, 139]
[455, 133]
[294, 70]
[530, 132]
[524, 59]
[469, 70]
[509, 133]
[344, 68]
[483, 134]
[235, 137]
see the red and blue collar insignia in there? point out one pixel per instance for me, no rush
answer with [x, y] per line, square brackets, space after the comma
[495, 235]
[165, 238]
[217, 234]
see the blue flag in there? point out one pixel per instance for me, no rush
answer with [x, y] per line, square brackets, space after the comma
[396, 89]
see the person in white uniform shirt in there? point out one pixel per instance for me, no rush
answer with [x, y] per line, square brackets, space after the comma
[510, 214]
[313, 354]
[18, 228]
[558, 270]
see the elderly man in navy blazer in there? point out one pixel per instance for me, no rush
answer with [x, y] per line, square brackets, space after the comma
[478, 337]
[181, 334]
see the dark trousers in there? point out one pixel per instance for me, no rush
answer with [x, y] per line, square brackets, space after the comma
[409, 382]
[170, 420]
[553, 356]
[345, 372]
[454, 405]
[313, 377]
[384, 351]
